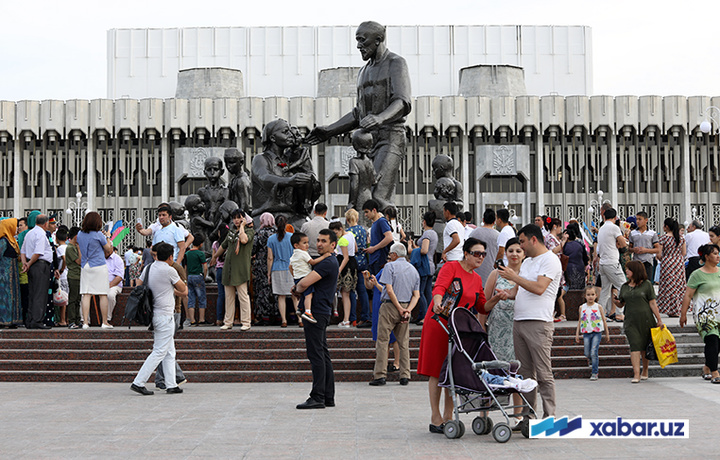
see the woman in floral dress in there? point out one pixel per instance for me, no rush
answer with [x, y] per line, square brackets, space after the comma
[703, 289]
[672, 269]
[263, 299]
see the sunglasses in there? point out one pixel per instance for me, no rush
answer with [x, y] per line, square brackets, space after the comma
[478, 253]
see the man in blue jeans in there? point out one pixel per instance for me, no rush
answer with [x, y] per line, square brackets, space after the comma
[323, 279]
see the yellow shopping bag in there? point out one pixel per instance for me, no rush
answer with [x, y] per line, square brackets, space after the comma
[665, 346]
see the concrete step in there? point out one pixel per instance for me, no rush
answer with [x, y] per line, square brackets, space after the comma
[199, 377]
[219, 343]
[193, 354]
[115, 365]
[266, 354]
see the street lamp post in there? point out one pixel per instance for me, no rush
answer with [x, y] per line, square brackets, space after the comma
[595, 205]
[712, 114]
[513, 217]
[77, 209]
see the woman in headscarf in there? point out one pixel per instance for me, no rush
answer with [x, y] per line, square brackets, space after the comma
[24, 288]
[10, 309]
[263, 298]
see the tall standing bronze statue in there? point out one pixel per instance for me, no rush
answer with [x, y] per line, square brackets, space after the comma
[383, 102]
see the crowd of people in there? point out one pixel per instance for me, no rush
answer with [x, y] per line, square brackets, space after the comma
[514, 281]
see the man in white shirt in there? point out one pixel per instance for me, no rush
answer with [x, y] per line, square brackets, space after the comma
[164, 283]
[506, 232]
[312, 228]
[130, 258]
[694, 238]
[609, 239]
[540, 222]
[453, 234]
[37, 258]
[167, 231]
[536, 287]
[115, 277]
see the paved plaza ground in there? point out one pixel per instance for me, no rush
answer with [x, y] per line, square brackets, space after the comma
[259, 420]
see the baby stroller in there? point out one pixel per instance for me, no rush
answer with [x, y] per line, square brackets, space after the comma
[469, 357]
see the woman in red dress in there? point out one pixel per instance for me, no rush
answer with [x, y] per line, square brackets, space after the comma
[434, 340]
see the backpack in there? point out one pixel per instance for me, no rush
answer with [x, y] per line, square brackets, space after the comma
[139, 306]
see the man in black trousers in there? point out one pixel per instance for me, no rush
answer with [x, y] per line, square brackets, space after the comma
[323, 279]
[37, 259]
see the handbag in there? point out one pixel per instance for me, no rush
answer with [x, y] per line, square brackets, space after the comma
[650, 353]
[139, 306]
[451, 299]
[564, 261]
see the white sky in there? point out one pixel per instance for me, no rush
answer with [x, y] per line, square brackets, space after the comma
[57, 49]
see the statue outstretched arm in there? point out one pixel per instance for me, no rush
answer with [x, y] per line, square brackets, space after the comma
[323, 133]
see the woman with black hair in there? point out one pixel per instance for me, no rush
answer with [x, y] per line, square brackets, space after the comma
[555, 242]
[672, 269]
[703, 290]
[577, 258]
[714, 234]
[279, 251]
[641, 315]
[237, 248]
[457, 286]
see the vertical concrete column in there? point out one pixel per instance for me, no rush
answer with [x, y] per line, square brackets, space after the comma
[91, 185]
[686, 192]
[17, 179]
[165, 163]
[540, 163]
[612, 170]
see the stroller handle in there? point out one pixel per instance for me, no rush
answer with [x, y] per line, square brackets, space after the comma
[495, 364]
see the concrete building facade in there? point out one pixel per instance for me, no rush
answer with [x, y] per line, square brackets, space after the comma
[546, 154]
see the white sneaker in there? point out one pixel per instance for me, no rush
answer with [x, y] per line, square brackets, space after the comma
[244, 328]
[186, 323]
[107, 326]
[86, 326]
[594, 377]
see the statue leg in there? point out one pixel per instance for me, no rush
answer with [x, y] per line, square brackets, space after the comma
[387, 165]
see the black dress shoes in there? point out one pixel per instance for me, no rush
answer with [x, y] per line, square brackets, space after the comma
[174, 390]
[404, 381]
[142, 390]
[437, 429]
[377, 382]
[329, 403]
[311, 404]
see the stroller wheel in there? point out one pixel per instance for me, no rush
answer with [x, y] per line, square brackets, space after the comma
[501, 432]
[482, 425]
[454, 429]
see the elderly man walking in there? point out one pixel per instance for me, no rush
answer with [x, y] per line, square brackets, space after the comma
[399, 297]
